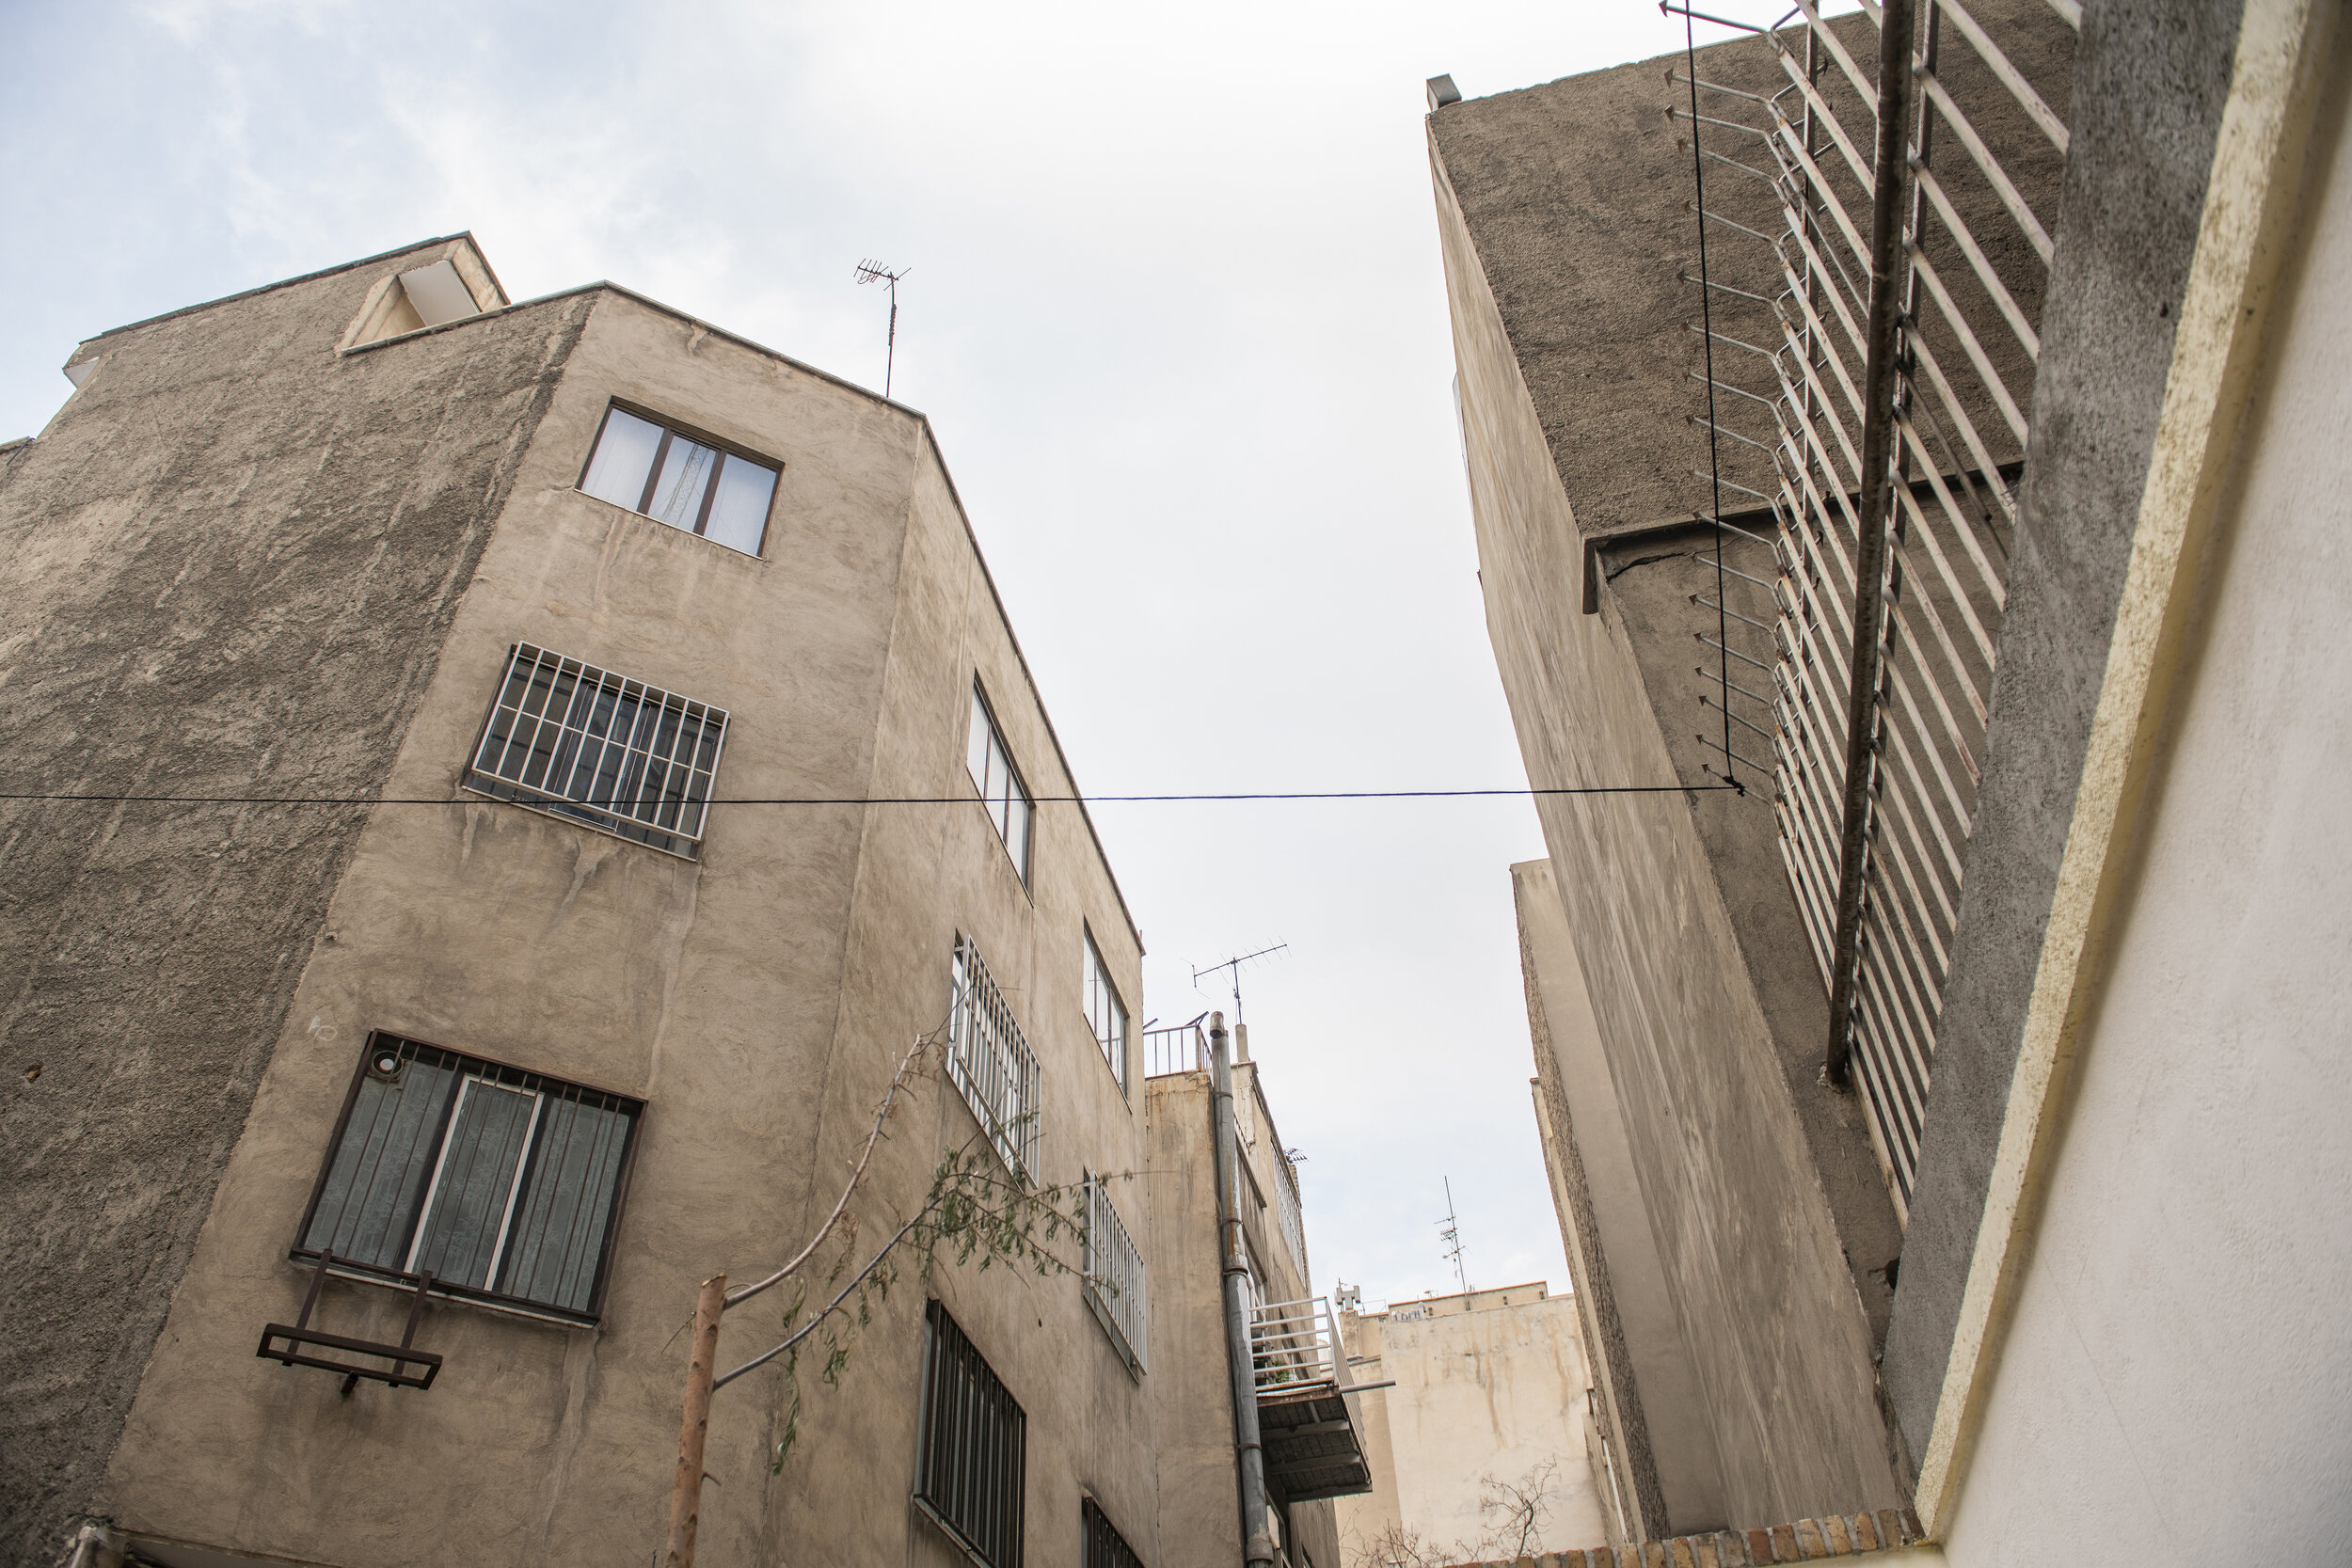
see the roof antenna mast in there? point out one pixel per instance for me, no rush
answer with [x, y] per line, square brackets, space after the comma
[874, 271]
[1234, 965]
[1450, 1230]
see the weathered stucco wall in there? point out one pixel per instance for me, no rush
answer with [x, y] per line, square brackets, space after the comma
[1656, 1426]
[2178, 1372]
[1490, 1394]
[756, 999]
[1767, 1296]
[229, 566]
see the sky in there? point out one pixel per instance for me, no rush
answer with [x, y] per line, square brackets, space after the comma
[1175, 308]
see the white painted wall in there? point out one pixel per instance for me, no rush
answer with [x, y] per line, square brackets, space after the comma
[2177, 1383]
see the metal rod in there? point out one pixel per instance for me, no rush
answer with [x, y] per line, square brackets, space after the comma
[1878, 441]
[685, 1490]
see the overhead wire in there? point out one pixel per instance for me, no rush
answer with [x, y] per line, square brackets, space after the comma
[875, 800]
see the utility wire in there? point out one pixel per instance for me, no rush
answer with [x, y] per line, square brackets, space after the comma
[874, 799]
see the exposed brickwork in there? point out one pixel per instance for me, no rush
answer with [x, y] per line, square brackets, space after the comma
[1801, 1540]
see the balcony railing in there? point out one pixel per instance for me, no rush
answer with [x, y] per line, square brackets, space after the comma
[1114, 1273]
[1181, 1049]
[1294, 1344]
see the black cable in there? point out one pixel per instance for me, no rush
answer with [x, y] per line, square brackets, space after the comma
[873, 800]
[1706, 321]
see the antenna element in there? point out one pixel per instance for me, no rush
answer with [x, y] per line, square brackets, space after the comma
[874, 271]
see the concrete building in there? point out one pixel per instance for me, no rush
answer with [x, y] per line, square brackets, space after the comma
[555, 1025]
[1948, 1118]
[1482, 1446]
[1312, 1426]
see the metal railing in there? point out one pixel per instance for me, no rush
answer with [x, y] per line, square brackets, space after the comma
[1181, 1049]
[1286, 1212]
[989, 1060]
[1294, 1344]
[1887, 333]
[1113, 1272]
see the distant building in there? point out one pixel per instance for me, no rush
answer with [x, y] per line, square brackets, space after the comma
[1946, 604]
[1482, 1445]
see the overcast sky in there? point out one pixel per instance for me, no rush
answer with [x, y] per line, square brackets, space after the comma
[1177, 315]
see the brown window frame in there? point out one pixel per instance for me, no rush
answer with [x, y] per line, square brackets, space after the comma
[671, 428]
[467, 1062]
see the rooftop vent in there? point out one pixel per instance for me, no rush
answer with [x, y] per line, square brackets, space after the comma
[1441, 92]
[420, 297]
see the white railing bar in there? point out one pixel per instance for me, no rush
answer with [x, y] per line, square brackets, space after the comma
[2068, 12]
[1830, 201]
[1964, 526]
[1900, 1038]
[1824, 117]
[2030, 100]
[1988, 166]
[1923, 270]
[1951, 581]
[1866, 90]
[1979, 262]
[1987, 469]
[1831, 282]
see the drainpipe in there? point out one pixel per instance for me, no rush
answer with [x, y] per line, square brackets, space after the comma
[1884, 343]
[1257, 1547]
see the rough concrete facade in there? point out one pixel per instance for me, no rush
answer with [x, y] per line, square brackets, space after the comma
[1489, 1395]
[755, 998]
[230, 565]
[1679, 954]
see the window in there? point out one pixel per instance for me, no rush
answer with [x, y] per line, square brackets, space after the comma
[1113, 1273]
[618, 754]
[999, 785]
[989, 1060]
[1105, 1546]
[974, 1447]
[1107, 1013]
[686, 481]
[499, 1183]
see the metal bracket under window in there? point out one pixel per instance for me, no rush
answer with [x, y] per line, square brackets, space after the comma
[402, 1356]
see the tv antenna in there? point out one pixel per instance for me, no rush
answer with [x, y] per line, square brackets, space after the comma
[1233, 965]
[874, 271]
[1450, 1229]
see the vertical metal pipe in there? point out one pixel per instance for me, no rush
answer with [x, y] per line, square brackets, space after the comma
[1884, 341]
[1257, 1547]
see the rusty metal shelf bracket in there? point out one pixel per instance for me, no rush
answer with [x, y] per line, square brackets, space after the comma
[302, 1338]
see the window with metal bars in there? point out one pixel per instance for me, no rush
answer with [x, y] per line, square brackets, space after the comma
[1105, 1546]
[629, 758]
[989, 1060]
[689, 482]
[502, 1184]
[975, 1447]
[1113, 1273]
[1107, 1012]
[1002, 792]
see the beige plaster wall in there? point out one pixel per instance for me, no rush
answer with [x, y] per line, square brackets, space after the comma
[1489, 1388]
[756, 999]
[1767, 1303]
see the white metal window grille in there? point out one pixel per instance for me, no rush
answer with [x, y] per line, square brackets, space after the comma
[989, 1060]
[999, 783]
[680, 480]
[1113, 1272]
[501, 1184]
[1107, 1012]
[629, 758]
[975, 1447]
